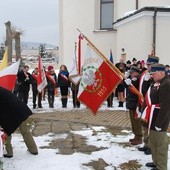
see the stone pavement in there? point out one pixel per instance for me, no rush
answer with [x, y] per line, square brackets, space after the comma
[111, 118]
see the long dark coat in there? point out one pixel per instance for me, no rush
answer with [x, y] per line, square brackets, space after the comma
[12, 111]
[161, 95]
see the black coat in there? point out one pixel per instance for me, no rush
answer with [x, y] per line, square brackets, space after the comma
[23, 83]
[63, 81]
[131, 98]
[161, 96]
[12, 111]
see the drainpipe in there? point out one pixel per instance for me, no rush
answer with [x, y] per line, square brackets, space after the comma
[137, 4]
[154, 32]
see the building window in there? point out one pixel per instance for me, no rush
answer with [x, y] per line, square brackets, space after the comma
[106, 14]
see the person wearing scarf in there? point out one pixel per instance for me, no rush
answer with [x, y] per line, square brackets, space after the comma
[51, 85]
[64, 84]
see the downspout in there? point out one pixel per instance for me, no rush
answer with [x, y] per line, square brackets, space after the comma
[137, 4]
[154, 32]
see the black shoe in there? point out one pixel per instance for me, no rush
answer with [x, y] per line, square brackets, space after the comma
[7, 156]
[40, 107]
[34, 106]
[34, 153]
[144, 148]
[148, 151]
[150, 164]
[154, 169]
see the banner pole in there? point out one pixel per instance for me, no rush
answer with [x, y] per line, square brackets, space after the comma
[110, 63]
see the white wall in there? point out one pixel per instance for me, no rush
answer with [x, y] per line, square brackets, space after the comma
[82, 14]
[163, 39]
[143, 3]
[123, 6]
[136, 36]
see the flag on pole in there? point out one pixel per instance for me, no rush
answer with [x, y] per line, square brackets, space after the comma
[98, 80]
[4, 62]
[111, 57]
[8, 76]
[41, 78]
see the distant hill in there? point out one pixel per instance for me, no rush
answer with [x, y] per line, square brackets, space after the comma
[35, 45]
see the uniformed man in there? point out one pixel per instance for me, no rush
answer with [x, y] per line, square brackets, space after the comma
[158, 109]
[131, 102]
[145, 82]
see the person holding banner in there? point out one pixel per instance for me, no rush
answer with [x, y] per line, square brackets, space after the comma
[131, 103]
[157, 114]
[34, 89]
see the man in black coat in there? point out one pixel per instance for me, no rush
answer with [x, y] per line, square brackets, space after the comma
[13, 114]
[131, 103]
[159, 117]
[24, 81]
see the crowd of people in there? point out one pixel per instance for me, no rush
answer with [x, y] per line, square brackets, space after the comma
[149, 115]
[55, 84]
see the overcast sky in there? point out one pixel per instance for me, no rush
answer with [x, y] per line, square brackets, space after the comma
[38, 18]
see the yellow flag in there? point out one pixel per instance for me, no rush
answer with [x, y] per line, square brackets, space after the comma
[4, 62]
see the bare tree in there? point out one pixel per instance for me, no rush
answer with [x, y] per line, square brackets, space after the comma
[8, 42]
[16, 35]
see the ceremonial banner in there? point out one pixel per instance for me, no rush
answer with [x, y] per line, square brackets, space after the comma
[74, 76]
[8, 76]
[41, 78]
[98, 80]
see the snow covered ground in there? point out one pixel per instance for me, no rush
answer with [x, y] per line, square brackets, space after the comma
[114, 154]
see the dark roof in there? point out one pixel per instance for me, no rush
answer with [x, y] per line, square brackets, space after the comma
[158, 9]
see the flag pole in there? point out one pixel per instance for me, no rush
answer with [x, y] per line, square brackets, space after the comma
[110, 64]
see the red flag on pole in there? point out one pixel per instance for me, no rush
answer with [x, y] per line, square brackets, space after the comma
[8, 76]
[41, 78]
[79, 53]
[97, 82]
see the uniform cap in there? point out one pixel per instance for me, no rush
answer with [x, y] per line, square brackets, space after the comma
[157, 67]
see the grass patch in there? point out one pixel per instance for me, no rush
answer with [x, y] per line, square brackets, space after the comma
[131, 165]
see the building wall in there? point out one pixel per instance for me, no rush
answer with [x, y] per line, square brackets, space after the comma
[143, 3]
[85, 16]
[163, 39]
[123, 6]
[136, 36]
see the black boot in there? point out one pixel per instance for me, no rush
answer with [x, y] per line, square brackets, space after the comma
[64, 102]
[34, 106]
[120, 104]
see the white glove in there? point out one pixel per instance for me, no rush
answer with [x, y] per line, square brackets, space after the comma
[127, 74]
[157, 129]
[147, 76]
[128, 81]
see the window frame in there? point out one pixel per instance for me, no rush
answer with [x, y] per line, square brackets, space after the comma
[106, 2]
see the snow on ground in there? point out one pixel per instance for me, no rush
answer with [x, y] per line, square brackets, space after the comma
[50, 159]
[114, 154]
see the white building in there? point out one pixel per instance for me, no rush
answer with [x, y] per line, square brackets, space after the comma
[135, 25]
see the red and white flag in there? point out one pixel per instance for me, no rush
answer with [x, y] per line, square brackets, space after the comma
[41, 78]
[97, 82]
[8, 76]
